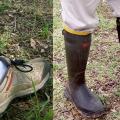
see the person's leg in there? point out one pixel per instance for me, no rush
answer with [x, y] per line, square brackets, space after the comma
[115, 4]
[79, 15]
[79, 22]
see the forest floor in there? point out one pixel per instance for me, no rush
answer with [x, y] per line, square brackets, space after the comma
[103, 69]
[26, 33]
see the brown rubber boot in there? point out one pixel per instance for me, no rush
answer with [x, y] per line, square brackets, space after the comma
[77, 51]
[118, 27]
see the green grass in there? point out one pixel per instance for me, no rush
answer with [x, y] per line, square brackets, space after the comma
[44, 31]
[3, 7]
[36, 112]
[4, 41]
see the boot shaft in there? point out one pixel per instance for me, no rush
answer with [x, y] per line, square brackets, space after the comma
[77, 51]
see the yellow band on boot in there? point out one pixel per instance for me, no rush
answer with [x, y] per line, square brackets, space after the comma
[75, 32]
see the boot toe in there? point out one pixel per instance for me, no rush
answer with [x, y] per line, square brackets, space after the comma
[86, 102]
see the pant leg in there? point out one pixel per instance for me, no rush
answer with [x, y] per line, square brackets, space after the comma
[115, 4]
[79, 15]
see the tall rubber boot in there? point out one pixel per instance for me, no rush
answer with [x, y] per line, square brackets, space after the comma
[77, 51]
[118, 27]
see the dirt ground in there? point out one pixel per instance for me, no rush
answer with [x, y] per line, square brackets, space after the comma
[103, 70]
[26, 33]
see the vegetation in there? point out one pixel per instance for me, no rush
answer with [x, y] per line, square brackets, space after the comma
[26, 33]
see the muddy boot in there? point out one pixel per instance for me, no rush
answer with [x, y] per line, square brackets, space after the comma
[18, 78]
[118, 28]
[77, 51]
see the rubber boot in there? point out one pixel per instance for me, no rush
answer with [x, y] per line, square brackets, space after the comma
[77, 51]
[118, 27]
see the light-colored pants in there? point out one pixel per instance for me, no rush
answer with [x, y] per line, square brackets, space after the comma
[80, 15]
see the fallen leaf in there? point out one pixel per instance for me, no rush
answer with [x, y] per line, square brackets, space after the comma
[33, 43]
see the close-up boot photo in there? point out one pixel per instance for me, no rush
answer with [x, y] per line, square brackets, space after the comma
[86, 59]
[26, 85]
[60, 60]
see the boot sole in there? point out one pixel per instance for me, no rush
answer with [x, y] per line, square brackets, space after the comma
[83, 114]
[5, 104]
